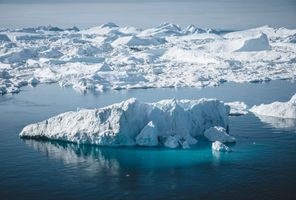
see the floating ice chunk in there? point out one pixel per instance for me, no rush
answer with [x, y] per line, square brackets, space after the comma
[33, 81]
[132, 122]
[3, 89]
[217, 133]
[13, 89]
[237, 108]
[148, 136]
[277, 109]
[258, 43]
[219, 146]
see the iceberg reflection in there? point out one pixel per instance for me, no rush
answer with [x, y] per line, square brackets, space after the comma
[276, 122]
[97, 159]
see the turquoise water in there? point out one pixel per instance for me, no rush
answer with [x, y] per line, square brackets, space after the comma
[261, 166]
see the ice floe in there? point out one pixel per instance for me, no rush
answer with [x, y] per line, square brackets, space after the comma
[277, 109]
[171, 123]
[112, 57]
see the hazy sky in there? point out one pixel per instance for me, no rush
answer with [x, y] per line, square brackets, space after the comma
[226, 14]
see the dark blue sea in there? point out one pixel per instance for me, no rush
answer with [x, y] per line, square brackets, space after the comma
[261, 166]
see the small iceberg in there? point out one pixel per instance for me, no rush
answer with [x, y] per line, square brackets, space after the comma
[219, 146]
[218, 133]
[170, 123]
[277, 109]
[237, 108]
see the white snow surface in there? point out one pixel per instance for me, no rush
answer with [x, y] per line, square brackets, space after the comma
[112, 57]
[219, 146]
[277, 109]
[218, 133]
[171, 123]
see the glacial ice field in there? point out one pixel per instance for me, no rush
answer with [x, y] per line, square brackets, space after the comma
[111, 57]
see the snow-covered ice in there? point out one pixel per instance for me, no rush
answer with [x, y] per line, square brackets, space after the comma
[171, 123]
[112, 57]
[219, 146]
[277, 109]
[218, 133]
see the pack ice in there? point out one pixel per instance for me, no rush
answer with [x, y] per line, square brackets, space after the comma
[277, 109]
[171, 123]
[111, 57]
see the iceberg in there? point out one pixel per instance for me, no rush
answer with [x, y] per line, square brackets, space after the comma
[277, 109]
[237, 108]
[170, 123]
[219, 146]
[218, 133]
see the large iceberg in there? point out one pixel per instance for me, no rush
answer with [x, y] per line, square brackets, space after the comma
[171, 123]
[277, 109]
[112, 57]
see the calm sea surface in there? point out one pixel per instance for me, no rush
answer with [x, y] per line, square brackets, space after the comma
[261, 166]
